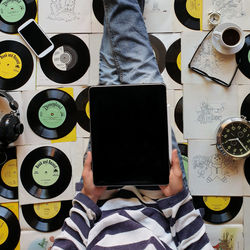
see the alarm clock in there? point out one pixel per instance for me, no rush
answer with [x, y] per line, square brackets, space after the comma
[233, 137]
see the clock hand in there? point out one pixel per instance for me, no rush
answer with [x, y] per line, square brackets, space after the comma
[241, 143]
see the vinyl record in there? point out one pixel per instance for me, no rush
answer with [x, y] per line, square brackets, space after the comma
[183, 15]
[45, 172]
[173, 61]
[247, 169]
[82, 106]
[98, 10]
[68, 61]
[46, 217]
[159, 50]
[8, 174]
[243, 58]
[178, 114]
[14, 13]
[16, 65]
[218, 209]
[245, 107]
[51, 113]
[9, 229]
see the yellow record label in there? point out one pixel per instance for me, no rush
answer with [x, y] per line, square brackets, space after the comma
[47, 210]
[9, 173]
[10, 65]
[178, 61]
[194, 8]
[4, 231]
[87, 110]
[216, 203]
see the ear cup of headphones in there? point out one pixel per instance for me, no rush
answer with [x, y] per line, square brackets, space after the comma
[10, 128]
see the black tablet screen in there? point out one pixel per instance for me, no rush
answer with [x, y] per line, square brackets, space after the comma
[129, 134]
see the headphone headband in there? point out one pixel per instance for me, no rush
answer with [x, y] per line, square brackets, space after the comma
[12, 103]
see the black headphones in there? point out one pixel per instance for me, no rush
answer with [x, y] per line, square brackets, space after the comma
[10, 125]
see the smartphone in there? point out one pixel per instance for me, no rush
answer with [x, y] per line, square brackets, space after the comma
[35, 37]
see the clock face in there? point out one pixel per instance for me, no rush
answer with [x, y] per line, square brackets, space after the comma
[235, 139]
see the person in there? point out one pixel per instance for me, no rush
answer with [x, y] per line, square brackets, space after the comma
[131, 217]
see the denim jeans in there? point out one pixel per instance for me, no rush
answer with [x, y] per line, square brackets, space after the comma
[126, 55]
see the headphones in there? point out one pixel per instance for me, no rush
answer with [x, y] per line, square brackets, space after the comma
[10, 125]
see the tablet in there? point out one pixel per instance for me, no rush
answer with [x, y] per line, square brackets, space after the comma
[129, 135]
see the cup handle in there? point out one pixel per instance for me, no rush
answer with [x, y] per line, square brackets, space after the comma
[217, 34]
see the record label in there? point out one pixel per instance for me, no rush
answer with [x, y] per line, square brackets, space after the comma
[216, 203]
[178, 61]
[9, 173]
[4, 231]
[47, 210]
[52, 114]
[11, 65]
[64, 58]
[46, 172]
[194, 8]
[12, 11]
[87, 110]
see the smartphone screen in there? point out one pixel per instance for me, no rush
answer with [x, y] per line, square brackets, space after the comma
[35, 37]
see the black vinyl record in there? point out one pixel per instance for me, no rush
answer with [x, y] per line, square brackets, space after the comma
[9, 229]
[14, 13]
[178, 114]
[247, 169]
[98, 10]
[159, 50]
[51, 113]
[46, 217]
[243, 58]
[172, 54]
[8, 170]
[68, 61]
[245, 107]
[16, 65]
[45, 172]
[218, 212]
[82, 105]
[184, 17]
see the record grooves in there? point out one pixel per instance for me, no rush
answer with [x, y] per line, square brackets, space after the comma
[46, 224]
[247, 169]
[81, 104]
[219, 216]
[178, 114]
[10, 228]
[171, 61]
[68, 61]
[51, 113]
[184, 17]
[45, 172]
[14, 13]
[8, 176]
[159, 50]
[243, 58]
[98, 10]
[16, 65]
[245, 107]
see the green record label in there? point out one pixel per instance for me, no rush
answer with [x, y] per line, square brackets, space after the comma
[45, 172]
[52, 114]
[12, 10]
[249, 56]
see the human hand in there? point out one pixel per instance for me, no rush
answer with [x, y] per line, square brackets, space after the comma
[89, 188]
[175, 177]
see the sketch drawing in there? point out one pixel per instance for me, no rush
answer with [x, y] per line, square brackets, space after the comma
[63, 10]
[230, 9]
[214, 167]
[209, 112]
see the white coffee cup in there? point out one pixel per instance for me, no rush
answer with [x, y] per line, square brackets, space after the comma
[228, 38]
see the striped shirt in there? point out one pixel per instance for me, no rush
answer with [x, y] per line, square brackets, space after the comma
[132, 220]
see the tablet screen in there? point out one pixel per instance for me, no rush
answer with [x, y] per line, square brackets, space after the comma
[129, 135]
